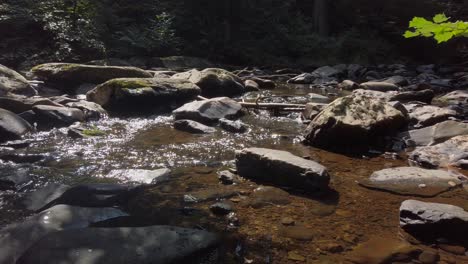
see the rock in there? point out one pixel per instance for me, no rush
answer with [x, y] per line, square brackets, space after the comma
[264, 83]
[413, 181]
[227, 177]
[153, 244]
[281, 168]
[297, 232]
[435, 134]
[326, 71]
[77, 74]
[455, 97]
[138, 92]
[353, 121]
[17, 144]
[267, 196]
[19, 104]
[428, 115]
[429, 221]
[424, 96]
[209, 195]
[12, 83]
[293, 255]
[141, 176]
[91, 110]
[374, 94]
[232, 126]
[453, 152]
[251, 86]
[348, 85]
[214, 82]
[22, 157]
[28, 116]
[426, 68]
[221, 208]
[454, 249]
[318, 98]
[383, 250]
[14, 178]
[53, 116]
[209, 111]
[42, 198]
[312, 110]
[193, 127]
[12, 127]
[305, 78]
[429, 257]
[379, 86]
[287, 221]
[15, 239]
[397, 80]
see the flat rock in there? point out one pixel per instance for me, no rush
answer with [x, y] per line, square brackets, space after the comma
[267, 196]
[11, 82]
[379, 86]
[382, 250]
[453, 152]
[14, 178]
[209, 111]
[424, 96]
[281, 168]
[15, 239]
[141, 176]
[53, 116]
[232, 126]
[428, 115]
[12, 127]
[413, 181]
[193, 127]
[19, 104]
[42, 197]
[435, 134]
[154, 244]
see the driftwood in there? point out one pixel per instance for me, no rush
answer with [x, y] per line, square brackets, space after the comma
[269, 106]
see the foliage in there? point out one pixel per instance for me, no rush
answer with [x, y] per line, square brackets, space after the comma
[94, 132]
[439, 28]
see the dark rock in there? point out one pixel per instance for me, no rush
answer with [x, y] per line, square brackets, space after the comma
[264, 83]
[15, 239]
[14, 178]
[75, 133]
[42, 198]
[154, 244]
[312, 110]
[426, 68]
[379, 86]
[251, 86]
[453, 152]
[22, 157]
[327, 71]
[429, 257]
[141, 176]
[267, 196]
[12, 83]
[209, 111]
[348, 85]
[16, 144]
[29, 116]
[193, 127]
[184, 62]
[227, 177]
[435, 134]
[281, 168]
[91, 110]
[19, 104]
[12, 127]
[232, 126]
[52, 116]
[424, 96]
[221, 208]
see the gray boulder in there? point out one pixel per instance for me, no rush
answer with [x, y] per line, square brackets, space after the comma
[379, 86]
[435, 134]
[53, 116]
[348, 85]
[453, 152]
[209, 111]
[281, 168]
[153, 244]
[12, 83]
[12, 127]
[455, 97]
[428, 115]
[20, 104]
[424, 96]
[141, 176]
[193, 127]
[91, 110]
[232, 126]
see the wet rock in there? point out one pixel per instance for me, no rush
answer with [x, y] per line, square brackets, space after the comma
[433, 220]
[304, 78]
[209, 111]
[317, 98]
[413, 181]
[264, 83]
[281, 168]
[209, 195]
[435, 134]
[453, 152]
[15, 239]
[267, 196]
[297, 232]
[424, 96]
[12, 127]
[53, 116]
[455, 97]
[41, 198]
[16, 144]
[348, 85]
[429, 257]
[91, 110]
[14, 178]
[397, 80]
[141, 176]
[12, 83]
[353, 121]
[153, 244]
[251, 86]
[29, 116]
[428, 115]
[383, 250]
[374, 94]
[19, 104]
[221, 208]
[193, 127]
[76, 74]
[214, 82]
[232, 126]
[312, 110]
[119, 94]
[22, 157]
[379, 86]
[227, 177]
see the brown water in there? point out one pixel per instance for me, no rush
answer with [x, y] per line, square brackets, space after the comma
[328, 228]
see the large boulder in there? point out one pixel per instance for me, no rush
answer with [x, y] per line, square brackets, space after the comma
[281, 168]
[453, 152]
[53, 116]
[209, 111]
[353, 121]
[12, 127]
[76, 74]
[143, 92]
[214, 82]
[12, 82]
[435, 134]
[153, 244]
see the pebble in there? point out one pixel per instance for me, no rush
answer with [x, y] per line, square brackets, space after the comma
[428, 257]
[287, 221]
[293, 255]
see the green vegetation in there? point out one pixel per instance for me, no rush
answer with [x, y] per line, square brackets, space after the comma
[94, 132]
[439, 28]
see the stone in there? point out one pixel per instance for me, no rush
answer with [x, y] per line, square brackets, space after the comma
[287, 221]
[119, 94]
[264, 83]
[18, 104]
[14, 178]
[53, 116]
[221, 208]
[453, 152]
[232, 126]
[15, 239]
[348, 85]
[209, 195]
[397, 80]
[409, 180]
[304, 78]
[428, 221]
[428, 115]
[353, 121]
[227, 177]
[326, 71]
[455, 97]
[435, 134]
[193, 127]
[297, 232]
[209, 111]
[318, 98]
[267, 196]
[12, 127]
[91, 110]
[429, 257]
[11, 83]
[77, 74]
[385, 96]
[214, 82]
[251, 86]
[454, 249]
[29, 116]
[141, 176]
[379, 86]
[293, 255]
[424, 96]
[382, 250]
[152, 244]
[312, 110]
[42, 198]
[281, 168]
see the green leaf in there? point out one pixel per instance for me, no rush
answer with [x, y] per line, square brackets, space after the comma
[440, 18]
[411, 34]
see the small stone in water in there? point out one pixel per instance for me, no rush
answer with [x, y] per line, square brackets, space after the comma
[221, 208]
[287, 221]
[293, 255]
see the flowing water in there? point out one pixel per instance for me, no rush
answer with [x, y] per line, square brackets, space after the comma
[327, 227]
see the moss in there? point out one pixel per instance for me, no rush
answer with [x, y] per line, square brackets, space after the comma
[94, 132]
[130, 83]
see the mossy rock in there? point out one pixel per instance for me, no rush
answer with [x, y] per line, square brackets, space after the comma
[77, 74]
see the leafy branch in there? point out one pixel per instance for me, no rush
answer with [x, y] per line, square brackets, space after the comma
[439, 28]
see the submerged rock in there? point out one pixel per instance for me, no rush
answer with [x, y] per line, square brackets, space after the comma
[163, 93]
[141, 176]
[413, 181]
[153, 244]
[281, 168]
[453, 152]
[193, 127]
[12, 127]
[209, 111]
[353, 121]
[15, 239]
[12, 83]
[267, 196]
